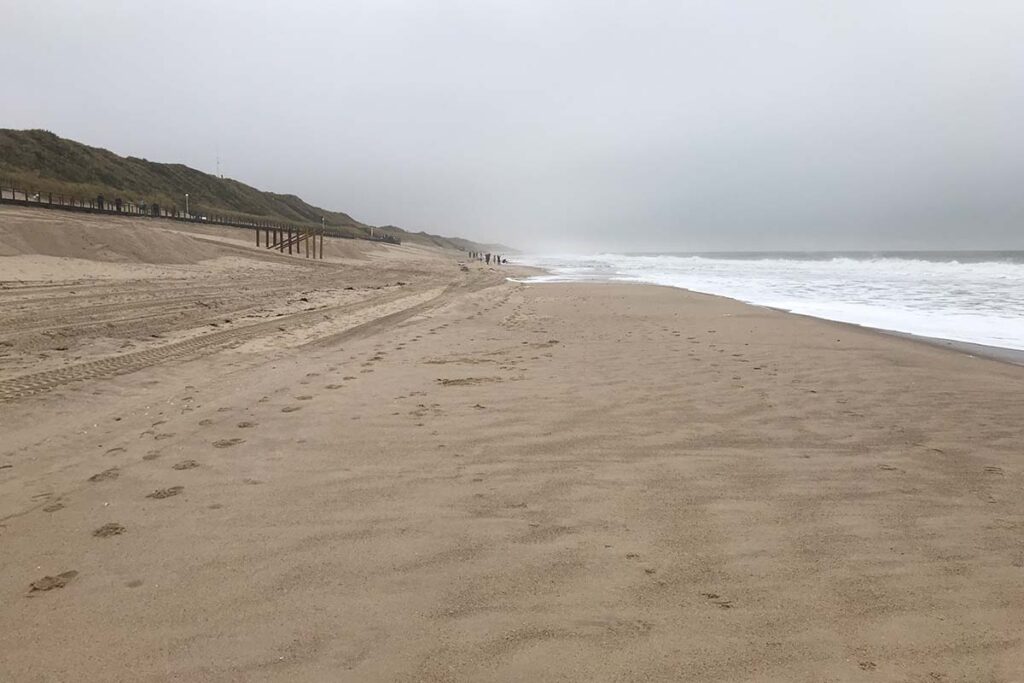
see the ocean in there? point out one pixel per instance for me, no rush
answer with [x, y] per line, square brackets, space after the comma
[972, 296]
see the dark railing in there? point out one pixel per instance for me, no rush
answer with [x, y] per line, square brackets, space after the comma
[119, 207]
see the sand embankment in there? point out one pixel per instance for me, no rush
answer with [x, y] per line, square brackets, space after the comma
[461, 478]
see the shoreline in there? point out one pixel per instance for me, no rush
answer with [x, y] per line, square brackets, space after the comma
[997, 353]
[973, 349]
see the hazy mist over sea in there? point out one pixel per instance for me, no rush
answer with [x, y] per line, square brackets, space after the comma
[571, 125]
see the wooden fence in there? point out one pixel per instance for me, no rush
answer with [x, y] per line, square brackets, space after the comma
[119, 207]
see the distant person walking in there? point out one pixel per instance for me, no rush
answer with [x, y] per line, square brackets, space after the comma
[487, 258]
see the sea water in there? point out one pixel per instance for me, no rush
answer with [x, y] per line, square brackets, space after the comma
[975, 297]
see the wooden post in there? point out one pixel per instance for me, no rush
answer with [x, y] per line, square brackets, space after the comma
[280, 239]
[306, 231]
[322, 230]
[257, 237]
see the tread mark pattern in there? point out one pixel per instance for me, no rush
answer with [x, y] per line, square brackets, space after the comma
[39, 382]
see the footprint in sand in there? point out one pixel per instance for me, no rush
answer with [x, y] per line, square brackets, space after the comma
[334, 386]
[246, 425]
[161, 437]
[54, 506]
[205, 423]
[109, 529]
[305, 397]
[134, 583]
[160, 494]
[48, 583]
[185, 465]
[348, 377]
[290, 409]
[105, 475]
[716, 599]
[227, 443]
[151, 455]
[114, 451]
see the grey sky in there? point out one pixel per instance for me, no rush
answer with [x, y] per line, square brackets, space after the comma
[562, 125]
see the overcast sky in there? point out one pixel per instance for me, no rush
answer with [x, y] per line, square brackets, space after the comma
[580, 125]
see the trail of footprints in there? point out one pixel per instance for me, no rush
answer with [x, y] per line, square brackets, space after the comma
[167, 495]
[113, 529]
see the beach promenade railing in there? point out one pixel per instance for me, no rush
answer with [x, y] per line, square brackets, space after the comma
[119, 207]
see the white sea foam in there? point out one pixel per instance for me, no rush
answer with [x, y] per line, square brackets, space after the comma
[958, 297]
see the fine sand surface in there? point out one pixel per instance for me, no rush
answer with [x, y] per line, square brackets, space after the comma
[226, 465]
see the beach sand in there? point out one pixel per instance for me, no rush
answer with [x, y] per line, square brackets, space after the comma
[231, 467]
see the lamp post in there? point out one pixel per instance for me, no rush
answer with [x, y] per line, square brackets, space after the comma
[186, 206]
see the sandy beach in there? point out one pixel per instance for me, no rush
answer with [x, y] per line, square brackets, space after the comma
[221, 463]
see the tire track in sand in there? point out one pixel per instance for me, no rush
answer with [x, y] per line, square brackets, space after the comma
[39, 382]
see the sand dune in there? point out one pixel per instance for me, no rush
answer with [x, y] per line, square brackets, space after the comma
[250, 467]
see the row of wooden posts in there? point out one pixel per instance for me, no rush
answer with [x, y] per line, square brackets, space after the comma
[282, 238]
[118, 207]
[268, 234]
